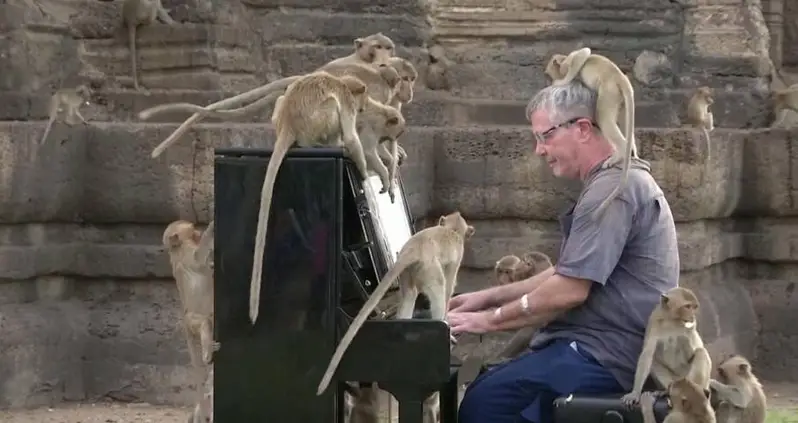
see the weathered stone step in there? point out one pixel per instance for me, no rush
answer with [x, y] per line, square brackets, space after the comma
[376, 8]
[103, 172]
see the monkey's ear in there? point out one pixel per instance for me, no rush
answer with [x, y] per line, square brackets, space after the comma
[393, 120]
[389, 75]
[441, 220]
[359, 43]
[469, 231]
[744, 368]
[663, 299]
[707, 393]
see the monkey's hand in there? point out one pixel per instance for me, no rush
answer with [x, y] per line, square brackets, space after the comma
[631, 399]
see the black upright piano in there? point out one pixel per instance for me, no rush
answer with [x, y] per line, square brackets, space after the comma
[331, 237]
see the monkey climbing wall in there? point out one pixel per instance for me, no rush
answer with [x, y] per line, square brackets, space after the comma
[87, 304]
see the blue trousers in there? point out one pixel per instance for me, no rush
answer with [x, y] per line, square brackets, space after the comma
[522, 390]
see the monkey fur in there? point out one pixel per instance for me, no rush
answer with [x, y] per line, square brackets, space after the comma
[672, 347]
[437, 74]
[698, 114]
[429, 262]
[335, 103]
[689, 404]
[614, 93]
[373, 49]
[203, 409]
[134, 14]
[189, 251]
[738, 393]
[65, 106]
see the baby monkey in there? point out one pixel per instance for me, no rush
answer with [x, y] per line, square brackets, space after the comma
[65, 106]
[510, 268]
[698, 114]
[738, 393]
[134, 14]
[672, 347]
[189, 251]
[689, 404]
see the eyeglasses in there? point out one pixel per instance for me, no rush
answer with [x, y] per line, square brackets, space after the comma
[541, 137]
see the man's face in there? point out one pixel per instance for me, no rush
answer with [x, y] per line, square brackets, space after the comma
[558, 142]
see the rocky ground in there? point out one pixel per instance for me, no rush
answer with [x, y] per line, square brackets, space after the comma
[782, 398]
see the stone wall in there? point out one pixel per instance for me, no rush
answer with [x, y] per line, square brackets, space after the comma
[87, 307]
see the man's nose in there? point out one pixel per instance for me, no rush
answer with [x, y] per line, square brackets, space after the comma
[539, 149]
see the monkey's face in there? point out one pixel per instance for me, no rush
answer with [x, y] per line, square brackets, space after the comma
[733, 367]
[177, 233]
[394, 126]
[375, 48]
[554, 67]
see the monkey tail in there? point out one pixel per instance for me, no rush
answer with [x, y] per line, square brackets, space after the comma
[239, 99]
[709, 144]
[170, 107]
[362, 315]
[629, 112]
[131, 39]
[281, 146]
[47, 130]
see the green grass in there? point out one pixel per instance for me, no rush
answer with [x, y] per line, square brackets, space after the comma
[782, 415]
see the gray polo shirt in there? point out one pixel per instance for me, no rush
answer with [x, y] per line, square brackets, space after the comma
[632, 256]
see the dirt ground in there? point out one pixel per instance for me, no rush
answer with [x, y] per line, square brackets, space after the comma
[782, 401]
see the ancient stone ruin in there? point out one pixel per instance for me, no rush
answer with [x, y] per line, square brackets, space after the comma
[87, 304]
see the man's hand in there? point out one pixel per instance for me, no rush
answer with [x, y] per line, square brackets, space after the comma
[470, 322]
[472, 301]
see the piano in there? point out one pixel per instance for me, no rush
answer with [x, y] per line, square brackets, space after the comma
[331, 238]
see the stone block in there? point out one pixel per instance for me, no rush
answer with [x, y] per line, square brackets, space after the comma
[313, 26]
[767, 172]
[32, 60]
[380, 7]
[41, 184]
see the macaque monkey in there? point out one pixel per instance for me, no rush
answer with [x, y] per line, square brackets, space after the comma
[783, 100]
[189, 251]
[65, 106]
[429, 263]
[437, 75]
[738, 393]
[374, 49]
[614, 92]
[672, 347]
[379, 121]
[689, 404]
[698, 114]
[141, 12]
[365, 403]
[317, 108]
[404, 95]
[203, 410]
[509, 269]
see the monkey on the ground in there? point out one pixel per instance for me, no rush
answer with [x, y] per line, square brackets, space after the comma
[689, 404]
[437, 74]
[698, 114]
[65, 106]
[614, 93]
[672, 346]
[188, 250]
[509, 269]
[738, 393]
[203, 409]
[141, 12]
[373, 49]
[317, 109]
[783, 100]
[428, 262]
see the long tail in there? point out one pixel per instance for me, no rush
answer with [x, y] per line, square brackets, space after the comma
[281, 146]
[362, 315]
[237, 100]
[709, 144]
[131, 39]
[629, 111]
[204, 112]
[47, 129]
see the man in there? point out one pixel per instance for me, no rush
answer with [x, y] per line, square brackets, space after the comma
[594, 304]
